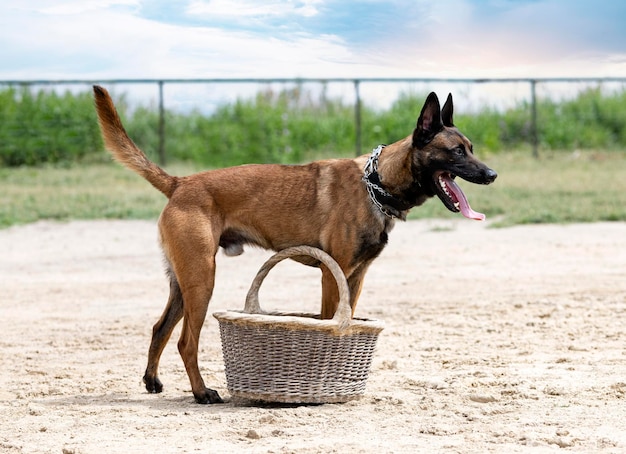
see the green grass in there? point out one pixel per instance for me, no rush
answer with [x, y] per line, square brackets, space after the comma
[558, 188]
[98, 191]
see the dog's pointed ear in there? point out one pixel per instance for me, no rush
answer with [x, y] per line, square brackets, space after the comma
[429, 122]
[447, 111]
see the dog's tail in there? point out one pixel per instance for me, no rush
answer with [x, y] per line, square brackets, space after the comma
[124, 149]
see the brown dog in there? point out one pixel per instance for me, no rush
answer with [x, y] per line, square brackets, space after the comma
[344, 206]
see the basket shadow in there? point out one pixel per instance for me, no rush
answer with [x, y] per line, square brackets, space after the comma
[247, 403]
[161, 403]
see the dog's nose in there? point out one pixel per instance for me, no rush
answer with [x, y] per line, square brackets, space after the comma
[490, 175]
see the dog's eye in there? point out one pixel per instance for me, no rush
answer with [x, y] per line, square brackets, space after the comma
[459, 151]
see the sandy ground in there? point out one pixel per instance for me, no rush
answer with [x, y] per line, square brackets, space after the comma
[496, 340]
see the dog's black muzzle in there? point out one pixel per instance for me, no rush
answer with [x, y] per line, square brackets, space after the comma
[479, 175]
[489, 175]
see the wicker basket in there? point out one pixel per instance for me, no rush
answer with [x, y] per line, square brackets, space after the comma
[296, 357]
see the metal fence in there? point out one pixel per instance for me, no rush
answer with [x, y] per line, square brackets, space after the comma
[356, 89]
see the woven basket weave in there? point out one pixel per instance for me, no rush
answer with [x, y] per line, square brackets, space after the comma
[296, 357]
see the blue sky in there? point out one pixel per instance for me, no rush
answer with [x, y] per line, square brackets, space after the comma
[99, 39]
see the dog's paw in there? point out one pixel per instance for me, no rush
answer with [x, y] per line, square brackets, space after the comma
[153, 384]
[209, 396]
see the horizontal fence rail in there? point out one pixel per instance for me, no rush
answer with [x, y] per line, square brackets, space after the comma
[357, 84]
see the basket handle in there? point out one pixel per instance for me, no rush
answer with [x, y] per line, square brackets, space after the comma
[343, 314]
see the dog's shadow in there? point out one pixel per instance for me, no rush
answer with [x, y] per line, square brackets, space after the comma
[162, 403]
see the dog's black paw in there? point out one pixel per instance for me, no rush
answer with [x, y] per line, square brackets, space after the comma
[153, 384]
[209, 396]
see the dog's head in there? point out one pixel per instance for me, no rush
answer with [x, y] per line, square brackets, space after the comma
[441, 153]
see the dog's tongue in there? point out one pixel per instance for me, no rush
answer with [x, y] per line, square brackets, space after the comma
[466, 209]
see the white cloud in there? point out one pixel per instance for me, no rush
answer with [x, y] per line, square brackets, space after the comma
[447, 38]
[112, 43]
[250, 8]
[500, 38]
[78, 7]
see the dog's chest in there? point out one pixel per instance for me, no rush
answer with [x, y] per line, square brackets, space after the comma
[372, 243]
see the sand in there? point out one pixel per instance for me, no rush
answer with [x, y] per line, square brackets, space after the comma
[496, 340]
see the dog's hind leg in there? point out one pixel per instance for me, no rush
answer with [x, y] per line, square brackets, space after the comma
[161, 333]
[196, 294]
[190, 241]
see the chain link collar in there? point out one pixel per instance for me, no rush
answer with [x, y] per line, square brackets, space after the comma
[371, 169]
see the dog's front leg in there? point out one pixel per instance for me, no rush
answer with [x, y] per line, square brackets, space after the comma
[330, 293]
[355, 284]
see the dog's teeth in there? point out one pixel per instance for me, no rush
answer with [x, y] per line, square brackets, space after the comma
[457, 205]
[443, 185]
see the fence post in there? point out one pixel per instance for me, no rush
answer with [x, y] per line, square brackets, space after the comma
[534, 132]
[161, 126]
[357, 117]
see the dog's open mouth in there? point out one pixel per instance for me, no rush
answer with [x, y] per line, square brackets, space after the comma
[452, 196]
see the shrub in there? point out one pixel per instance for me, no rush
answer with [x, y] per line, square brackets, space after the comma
[46, 127]
[288, 126]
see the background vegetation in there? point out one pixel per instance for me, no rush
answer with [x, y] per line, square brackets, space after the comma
[52, 165]
[40, 127]
[289, 126]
